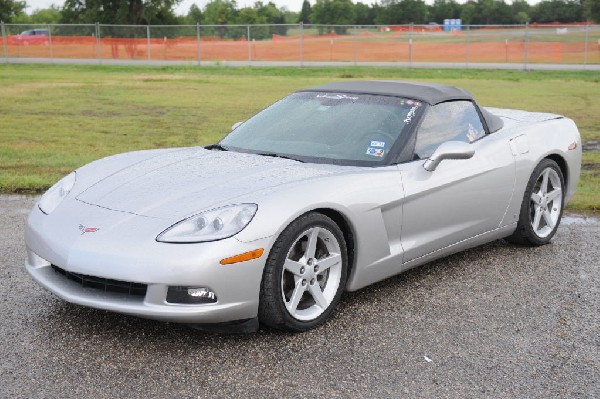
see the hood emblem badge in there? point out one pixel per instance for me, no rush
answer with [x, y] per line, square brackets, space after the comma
[85, 229]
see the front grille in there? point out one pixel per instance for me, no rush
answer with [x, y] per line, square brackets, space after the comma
[104, 284]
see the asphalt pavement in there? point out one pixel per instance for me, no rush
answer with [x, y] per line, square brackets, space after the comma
[499, 321]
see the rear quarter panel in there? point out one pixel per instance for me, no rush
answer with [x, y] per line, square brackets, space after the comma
[532, 141]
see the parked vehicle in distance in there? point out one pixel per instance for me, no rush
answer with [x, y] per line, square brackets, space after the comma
[332, 188]
[31, 36]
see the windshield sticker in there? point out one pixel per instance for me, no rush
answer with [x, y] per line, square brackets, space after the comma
[411, 113]
[336, 96]
[377, 143]
[376, 152]
[409, 102]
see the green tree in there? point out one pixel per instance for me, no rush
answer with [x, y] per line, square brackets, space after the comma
[333, 12]
[592, 10]
[394, 12]
[271, 15]
[220, 12]
[444, 9]
[522, 17]
[49, 15]
[558, 11]
[194, 15]
[521, 10]
[489, 12]
[502, 13]
[250, 16]
[365, 14]
[290, 17]
[520, 6]
[467, 12]
[130, 12]
[304, 16]
[10, 9]
[269, 12]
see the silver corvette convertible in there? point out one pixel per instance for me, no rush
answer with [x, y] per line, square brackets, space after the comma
[329, 189]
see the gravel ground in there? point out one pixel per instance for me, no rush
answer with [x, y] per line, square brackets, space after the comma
[498, 321]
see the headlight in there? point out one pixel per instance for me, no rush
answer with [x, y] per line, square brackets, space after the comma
[212, 225]
[54, 196]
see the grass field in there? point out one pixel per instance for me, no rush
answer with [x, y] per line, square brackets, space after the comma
[56, 118]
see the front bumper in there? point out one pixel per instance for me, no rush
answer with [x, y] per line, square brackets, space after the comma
[124, 249]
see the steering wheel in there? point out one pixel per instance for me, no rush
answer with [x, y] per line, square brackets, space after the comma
[390, 123]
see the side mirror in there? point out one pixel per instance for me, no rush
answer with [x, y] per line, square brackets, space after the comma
[448, 150]
[236, 125]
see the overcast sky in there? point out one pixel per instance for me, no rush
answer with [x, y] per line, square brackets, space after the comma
[184, 6]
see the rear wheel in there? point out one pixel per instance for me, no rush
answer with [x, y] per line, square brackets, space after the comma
[542, 206]
[305, 274]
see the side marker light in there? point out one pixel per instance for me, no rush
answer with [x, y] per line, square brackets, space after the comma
[255, 254]
[572, 146]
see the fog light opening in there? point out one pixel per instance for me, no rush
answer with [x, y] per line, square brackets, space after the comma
[191, 295]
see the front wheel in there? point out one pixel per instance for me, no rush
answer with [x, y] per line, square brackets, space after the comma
[542, 206]
[304, 275]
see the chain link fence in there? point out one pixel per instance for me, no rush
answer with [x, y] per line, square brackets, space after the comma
[297, 44]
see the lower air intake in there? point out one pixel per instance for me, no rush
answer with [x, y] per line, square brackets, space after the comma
[104, 284]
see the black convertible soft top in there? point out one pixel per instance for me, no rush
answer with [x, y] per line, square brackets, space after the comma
[431, 93]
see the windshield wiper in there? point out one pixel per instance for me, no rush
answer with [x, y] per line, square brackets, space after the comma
[217, 147]
[275, 155]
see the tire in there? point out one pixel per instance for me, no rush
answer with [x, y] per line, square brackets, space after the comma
[542, 206]
[305, 274]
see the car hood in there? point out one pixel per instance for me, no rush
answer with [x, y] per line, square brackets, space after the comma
[176, 184]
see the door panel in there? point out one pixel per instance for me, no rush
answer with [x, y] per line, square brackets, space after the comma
[458, 200]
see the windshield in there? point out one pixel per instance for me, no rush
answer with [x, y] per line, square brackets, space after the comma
[341, 128]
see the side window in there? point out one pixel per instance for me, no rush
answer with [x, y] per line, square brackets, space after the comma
[455, 120]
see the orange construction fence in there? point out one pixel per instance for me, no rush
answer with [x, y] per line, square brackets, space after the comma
[556, 45]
